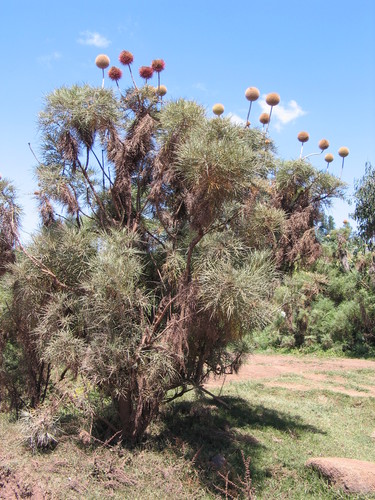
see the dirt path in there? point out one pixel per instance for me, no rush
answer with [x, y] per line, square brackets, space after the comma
[355, 377]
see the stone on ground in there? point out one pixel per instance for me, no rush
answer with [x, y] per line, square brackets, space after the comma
[352, 476]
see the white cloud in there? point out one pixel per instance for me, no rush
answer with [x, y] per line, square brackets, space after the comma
[200, 86]
[281, 115]
[237, 120]
[93, 38]
[47, 60]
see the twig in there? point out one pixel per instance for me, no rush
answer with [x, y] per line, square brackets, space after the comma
[216, 398]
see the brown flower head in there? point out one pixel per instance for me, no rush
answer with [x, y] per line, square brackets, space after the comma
[158, 65]
[264, 118]
[323, 144]
[218, 109]
[126, 57]
[252, 93]
[146, 72]
[303, 136]
[343, 152]
[272, 99]
[328, 157]
[115, 73]
[102, 61]
[345, 221]
[162, 90]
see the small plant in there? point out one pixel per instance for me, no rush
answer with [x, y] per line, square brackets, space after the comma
[241, 487]
[40, 428]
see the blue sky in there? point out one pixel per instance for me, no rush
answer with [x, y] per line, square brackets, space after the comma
[319, 55]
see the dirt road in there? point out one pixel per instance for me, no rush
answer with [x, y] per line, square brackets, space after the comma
[355, 377]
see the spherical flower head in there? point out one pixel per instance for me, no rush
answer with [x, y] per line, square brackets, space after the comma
[303, 136]
[264, 118]
[218, 109]
[158, 65]
[102, 61]
[146, 72]
[252, 93]
[115, 73]
[162, 90]
[328, 157]
[345, 221]
[343, 152]
[272, 99]
[126, 57]
[323, 144]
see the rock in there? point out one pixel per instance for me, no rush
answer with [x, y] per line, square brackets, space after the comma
[218, 462]
[353, 476]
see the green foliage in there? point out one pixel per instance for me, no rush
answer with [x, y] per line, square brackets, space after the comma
[364, 196]
[331, 306]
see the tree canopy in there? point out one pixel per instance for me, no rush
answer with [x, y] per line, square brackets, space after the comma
[163, 236]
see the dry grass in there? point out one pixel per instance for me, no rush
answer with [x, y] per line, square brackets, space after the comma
[261, 443]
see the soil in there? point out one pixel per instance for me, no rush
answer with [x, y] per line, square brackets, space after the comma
[272, 370]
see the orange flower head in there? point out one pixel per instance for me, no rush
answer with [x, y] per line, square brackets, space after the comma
[218, 109]
[323, 144]
[115, 73]
[102, 61]
[252, 93]
[273, 99]
[343, 152]
[303, 136]
[146, 72]
[126, 57]
[162, 90]
[158, 65]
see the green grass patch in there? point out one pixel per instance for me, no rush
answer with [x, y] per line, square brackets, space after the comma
[278, 429]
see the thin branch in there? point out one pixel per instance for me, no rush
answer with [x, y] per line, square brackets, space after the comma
[31, 149]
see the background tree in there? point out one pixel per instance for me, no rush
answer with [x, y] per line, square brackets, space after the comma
[364, 196]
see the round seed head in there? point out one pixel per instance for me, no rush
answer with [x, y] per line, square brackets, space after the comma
[323, 144]
[303, 136]
[273, 99]
[158, 65]
[102, 61]
[146, 72]
[252, 93]
[264, 118]
[345, 221]
[115, 73]
[218, 109]
[343, 152]
[267, 141]
[162, 90]
[328, 157]
[126, 57]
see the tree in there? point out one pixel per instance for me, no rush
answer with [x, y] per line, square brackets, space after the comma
[161, 228]
[364, 196]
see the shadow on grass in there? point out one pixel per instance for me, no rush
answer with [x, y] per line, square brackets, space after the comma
[202, 431]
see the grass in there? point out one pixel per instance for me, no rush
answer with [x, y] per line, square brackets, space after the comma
[278, 429]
